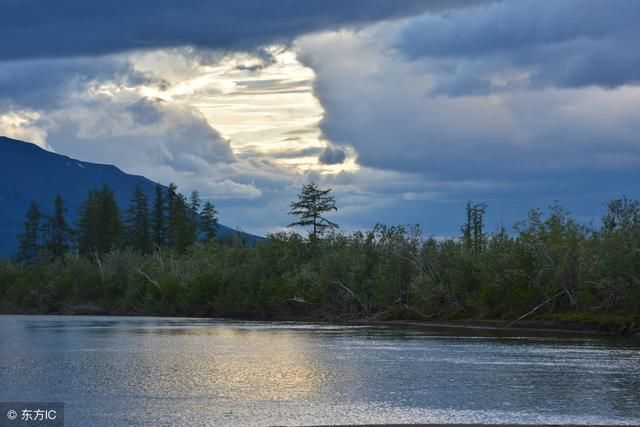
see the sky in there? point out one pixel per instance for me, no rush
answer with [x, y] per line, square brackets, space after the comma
[406, 109]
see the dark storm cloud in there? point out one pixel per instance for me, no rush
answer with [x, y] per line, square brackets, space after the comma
[332, 156]
[146, 111]
[264, 57]
[569, 43]
[42, 84]
[32, 28]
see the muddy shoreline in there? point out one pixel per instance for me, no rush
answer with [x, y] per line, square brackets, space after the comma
[541, 326]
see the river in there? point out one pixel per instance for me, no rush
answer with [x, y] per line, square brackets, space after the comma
[167, 371]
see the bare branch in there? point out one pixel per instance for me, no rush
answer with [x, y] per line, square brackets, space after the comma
[146, 276]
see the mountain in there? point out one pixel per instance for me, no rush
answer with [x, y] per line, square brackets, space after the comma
[29, 173]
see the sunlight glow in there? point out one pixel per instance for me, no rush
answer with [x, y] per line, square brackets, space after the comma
[265, 106]
[23, 125]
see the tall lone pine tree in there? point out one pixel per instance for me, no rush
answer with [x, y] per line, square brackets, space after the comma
[311, 205]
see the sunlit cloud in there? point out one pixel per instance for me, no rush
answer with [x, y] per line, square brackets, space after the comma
[262, 102]
[22, 125]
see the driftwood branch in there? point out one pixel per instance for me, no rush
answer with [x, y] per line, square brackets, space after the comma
[95, 254]
[300, 300]
[343, 286]
[157, 253]
[309, 278]
[146, 276]
[536, 308]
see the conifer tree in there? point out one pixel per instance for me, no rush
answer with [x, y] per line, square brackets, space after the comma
[172, 195]
[473, 235]
[209, 221]
[172, 198]
[110, 220]
[467, 232]
[182, 231]
[158, 219]
[194, 205]
[87, 228]
[479, 237]
[137, 230]
[99, 224]
[311, 205]
[57, 231]
[29, 239]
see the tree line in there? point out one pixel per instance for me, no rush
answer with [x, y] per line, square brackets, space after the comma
[169, 221]
[550, 266]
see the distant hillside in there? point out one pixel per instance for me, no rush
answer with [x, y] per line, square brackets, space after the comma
[29, 173]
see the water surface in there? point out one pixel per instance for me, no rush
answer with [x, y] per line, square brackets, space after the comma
[167, 371]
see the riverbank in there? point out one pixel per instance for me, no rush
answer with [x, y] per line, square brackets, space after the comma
[569, 322]
[535, 326]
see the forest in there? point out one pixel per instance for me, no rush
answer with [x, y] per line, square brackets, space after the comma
[162, 257]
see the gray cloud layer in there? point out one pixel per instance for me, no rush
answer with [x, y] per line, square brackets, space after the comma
[568, 43]
[42, 84]
[31, 28]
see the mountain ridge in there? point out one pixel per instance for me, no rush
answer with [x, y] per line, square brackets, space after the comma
[29, 173]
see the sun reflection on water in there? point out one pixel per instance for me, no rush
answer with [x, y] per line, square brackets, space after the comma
[233, 363]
